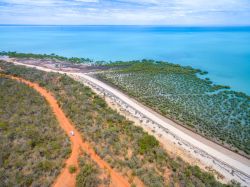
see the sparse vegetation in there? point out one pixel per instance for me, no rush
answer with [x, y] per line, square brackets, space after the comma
[126, 147]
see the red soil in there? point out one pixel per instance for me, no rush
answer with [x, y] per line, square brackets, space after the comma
[65, 179]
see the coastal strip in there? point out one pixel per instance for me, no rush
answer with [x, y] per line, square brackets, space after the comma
[226, 164]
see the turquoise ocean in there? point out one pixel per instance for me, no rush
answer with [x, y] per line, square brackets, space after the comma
[222, 51]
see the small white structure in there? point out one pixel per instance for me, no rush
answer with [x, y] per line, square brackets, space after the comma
[71, 133]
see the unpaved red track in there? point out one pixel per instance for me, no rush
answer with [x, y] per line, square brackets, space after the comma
[65, 179]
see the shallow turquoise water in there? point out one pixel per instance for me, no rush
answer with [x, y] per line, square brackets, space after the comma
[223, 52]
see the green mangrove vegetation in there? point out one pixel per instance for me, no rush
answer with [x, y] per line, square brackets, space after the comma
[32, 145]
[52, 56]
[181, 94]
[126, 147]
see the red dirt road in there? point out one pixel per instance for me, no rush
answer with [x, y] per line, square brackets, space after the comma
[65, 179]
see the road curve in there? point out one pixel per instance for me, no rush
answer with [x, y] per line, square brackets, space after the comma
[65, 179]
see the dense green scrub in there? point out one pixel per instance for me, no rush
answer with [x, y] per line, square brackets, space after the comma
[178, 93]
[32, 145]
[126, 147]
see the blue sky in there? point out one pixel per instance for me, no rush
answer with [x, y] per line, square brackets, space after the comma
[130, 12]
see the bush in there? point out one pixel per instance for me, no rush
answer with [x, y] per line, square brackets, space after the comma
[147, 143]
[72, 169]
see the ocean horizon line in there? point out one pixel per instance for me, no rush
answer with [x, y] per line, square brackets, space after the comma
[139, 25]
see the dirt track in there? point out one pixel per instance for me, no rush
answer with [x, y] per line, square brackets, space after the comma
[65, 179]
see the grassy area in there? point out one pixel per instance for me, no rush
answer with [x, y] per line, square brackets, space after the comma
[179, 93]
[33, 147]
[124, 146]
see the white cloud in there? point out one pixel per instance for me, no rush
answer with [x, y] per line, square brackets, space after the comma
[163, 12]
[87, 1]
[141, 1]
[29, 2]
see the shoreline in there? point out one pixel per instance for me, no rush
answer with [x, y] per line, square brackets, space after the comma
[78, 60]
[178, 142]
